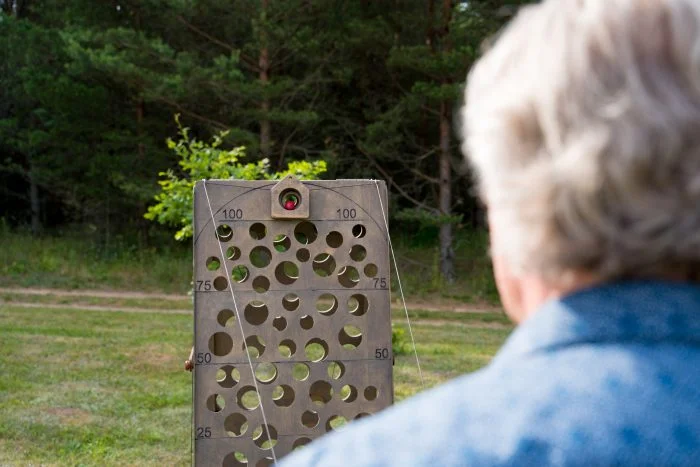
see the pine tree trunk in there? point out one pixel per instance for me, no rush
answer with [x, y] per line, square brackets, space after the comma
[34, 201]
[445, 196]
[264, 76]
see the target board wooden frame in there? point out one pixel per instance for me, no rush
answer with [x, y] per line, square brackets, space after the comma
[311, 286]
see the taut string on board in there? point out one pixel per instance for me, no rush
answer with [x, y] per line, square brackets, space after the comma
[240, 326]
[398, 279]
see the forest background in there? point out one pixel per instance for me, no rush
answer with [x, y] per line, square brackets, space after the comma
[90, 90]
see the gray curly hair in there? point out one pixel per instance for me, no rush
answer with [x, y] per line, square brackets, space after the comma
[583, 127]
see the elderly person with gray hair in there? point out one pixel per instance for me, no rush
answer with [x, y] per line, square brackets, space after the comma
[583, 126]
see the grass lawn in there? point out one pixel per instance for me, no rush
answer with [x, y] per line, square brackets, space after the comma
[96, 388]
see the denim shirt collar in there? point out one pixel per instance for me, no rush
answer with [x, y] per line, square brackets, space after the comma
[633, 311]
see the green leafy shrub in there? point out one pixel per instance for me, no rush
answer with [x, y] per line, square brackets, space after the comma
[399, 342]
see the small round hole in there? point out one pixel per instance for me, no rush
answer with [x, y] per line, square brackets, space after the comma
[303, 255]
[306, 322]
[305, 233]
[257, 231]
[323, 265]
[358, 305]
[239, 273]
[282, 243]
[290, 302]
[359, 231]
[256, 313]
[300, 371]
[279, 323]
[348, 277]
[248, 398]
[334, 239]
[336, 370]
[290, 199]
[300, 443]
[224, 233]
[358, 253]
[220, 283]
[265, 437]
[336, 422]
[256, 346]
[260, 257]
[316, 350]
[321, 392]
[309, 419]
[283, 396]
[370, 393]
[220, 344]
[233, 253]
[216, 403]
[326, 304]
[226, 318]
[350, 337]
[261, 284]
[236, 424]
[266, 372]
[235, 459]
[371, 270]
[227, 376]
[287, 348]
[213, 263]
[287, 272]
[348, 393]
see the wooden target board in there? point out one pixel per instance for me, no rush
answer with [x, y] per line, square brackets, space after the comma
[307, 265]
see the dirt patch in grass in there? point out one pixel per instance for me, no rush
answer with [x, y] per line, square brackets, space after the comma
[70, 415]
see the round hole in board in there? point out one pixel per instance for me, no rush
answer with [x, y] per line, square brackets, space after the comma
[226, 318]
[260, 257]
[227, 376]
[282, 243]
[309, 419]
[257, 231]
[359, 231]
[348, 277]
[305, 233]
[290, 199]
[316, 349]
[306, 322]
[371, 393]
[224, 233]
[216, 403]
[265, 462]
[323, 264]
[265, 437]
[358, 304]
[358, 253]
[327, 304]
[235, 459]
[261, 284]
[300, 443]
[213, 263]
[266, 372]
[239, 273]
[233, 253]
[300, 371]
[334, 239]
[220, 344]
[361, 415]
[286, 273]
[279, 323]
[290, 302]
[348, 393]
[236, 424]
[220, 283]
[283, 395]
[256, 313]
[303, 255]
[336, 370]
[336, 422]
[350, 337]
[248, 398]
[371, 270]
[287, 348]
[321, 392]
[256, 346]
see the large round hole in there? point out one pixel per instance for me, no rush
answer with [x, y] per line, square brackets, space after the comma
[248, 398]
[336, 422]
[239, 273]
[348, 393]
[300, 371]
[350, 336]
[226, 318]
[287, 272]
[227, 376]
[371, 270]
[306, 322]
[305, 233]
[348, 277]
[256, 346]
[261, 284]
[359, 231]
[220, 283]
[290, 302]
[309, 419]
[371, 393]
[282, 243]
[224, 233]
[236, 424]
[358, 253]
[358, 305]
[235, 459]
[321, 392]
[220, 344]
[216, 403]
[283, 395]
[303, 255]
[257, 231]
[260, 256]
[256, 313]
[316, 350]
[279, 323]
[287, 348]
[326, 304]
[336, 370]
[323, 265]
[266, 372]
[334, 239]
[233, 253]
[213, 263]
[265, 437]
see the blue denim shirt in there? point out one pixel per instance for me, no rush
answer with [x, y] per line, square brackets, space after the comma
[606, 376]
